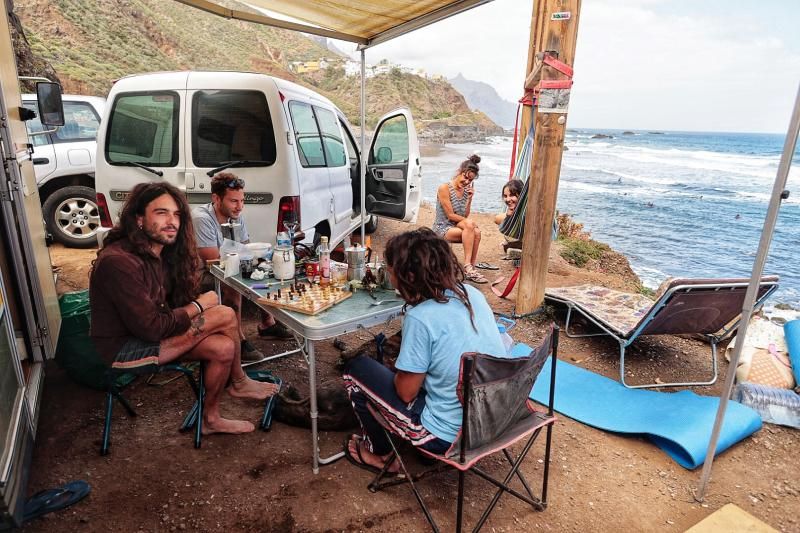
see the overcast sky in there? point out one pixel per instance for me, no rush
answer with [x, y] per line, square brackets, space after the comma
[711, 65]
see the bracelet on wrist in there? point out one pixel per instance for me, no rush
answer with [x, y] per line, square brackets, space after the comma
[198, 306]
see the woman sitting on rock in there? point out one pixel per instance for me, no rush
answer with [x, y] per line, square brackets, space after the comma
[452, 222]
[445, 318]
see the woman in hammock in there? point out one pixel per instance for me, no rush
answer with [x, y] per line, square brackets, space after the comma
[453, 203]
[511, 192]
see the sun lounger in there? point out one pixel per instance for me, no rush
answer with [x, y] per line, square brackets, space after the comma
[710, 307]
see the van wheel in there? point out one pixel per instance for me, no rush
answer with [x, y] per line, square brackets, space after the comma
[372, 225]
[72, 216]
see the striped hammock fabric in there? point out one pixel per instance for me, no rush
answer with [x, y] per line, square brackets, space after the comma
[513, 226]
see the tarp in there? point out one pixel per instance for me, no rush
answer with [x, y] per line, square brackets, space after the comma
[367, 22]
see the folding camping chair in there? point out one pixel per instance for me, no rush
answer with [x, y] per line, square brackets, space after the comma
[497, 413]
[194, 418]
[711, 307]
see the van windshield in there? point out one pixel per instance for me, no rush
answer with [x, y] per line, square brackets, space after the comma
[143, 128]
[230, 125]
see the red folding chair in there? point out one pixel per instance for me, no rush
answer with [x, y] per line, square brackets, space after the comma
[497, 413]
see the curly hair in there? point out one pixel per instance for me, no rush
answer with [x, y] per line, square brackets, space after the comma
[514, 187]
[425, 267]
[222, 182]
[181, 257]
[470, 164]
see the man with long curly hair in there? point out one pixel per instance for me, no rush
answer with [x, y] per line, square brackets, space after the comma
[146, 309]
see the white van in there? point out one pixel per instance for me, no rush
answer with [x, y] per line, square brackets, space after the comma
[293, 147]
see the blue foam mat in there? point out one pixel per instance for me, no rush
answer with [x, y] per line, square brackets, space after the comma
[791, 331]
[679, 423]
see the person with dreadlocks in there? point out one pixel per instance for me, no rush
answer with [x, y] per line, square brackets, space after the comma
[145, 306]
[444, 318]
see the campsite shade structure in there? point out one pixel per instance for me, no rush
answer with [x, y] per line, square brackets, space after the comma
[779, 193]
[370, 22]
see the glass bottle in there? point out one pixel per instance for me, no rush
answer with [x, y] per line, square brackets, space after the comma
[324, 255]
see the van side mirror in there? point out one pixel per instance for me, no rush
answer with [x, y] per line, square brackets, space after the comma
[51, 108]
[384, 155]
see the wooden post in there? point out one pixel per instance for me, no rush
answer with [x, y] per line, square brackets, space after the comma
[554, 29]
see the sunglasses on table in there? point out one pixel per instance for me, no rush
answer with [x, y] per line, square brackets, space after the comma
[235, 183]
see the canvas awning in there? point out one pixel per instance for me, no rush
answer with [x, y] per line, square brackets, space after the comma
[366, 22]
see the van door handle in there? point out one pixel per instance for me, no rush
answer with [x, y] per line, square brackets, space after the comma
[40, 160]
[189, 179]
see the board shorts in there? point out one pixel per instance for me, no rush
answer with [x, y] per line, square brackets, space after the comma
[137, 355]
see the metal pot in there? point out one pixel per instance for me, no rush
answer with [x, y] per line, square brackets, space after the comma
[356, 262]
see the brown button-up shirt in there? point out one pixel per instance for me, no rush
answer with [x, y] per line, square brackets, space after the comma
[128, 295]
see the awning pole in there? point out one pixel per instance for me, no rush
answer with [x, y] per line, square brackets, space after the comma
[778, 194]
[362, 159]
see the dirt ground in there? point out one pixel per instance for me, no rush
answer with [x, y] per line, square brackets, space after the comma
[153, 479]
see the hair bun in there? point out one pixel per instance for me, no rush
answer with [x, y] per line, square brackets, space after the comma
[475, 158]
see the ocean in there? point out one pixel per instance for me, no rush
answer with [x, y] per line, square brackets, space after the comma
[674, 203]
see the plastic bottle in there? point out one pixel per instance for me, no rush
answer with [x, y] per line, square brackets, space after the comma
[508, 342]
[324, 254]
[777, 406]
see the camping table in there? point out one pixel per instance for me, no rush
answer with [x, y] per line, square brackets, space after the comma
[344, 317]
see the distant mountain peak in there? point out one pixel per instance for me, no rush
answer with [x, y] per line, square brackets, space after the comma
[483, 97]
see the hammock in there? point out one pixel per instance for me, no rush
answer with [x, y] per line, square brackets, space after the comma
[512, 227]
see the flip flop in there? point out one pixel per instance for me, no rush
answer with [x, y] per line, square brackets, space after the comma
[487, 266]
[475, 276]
[50, 500]
[359, 462]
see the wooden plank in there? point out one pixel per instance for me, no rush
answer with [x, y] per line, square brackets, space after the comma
[315, 303]
[556, 33]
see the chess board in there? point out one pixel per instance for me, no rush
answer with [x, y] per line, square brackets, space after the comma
[305, 298]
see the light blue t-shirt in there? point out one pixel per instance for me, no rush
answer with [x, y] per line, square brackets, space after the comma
[434, 337]
[207, 230]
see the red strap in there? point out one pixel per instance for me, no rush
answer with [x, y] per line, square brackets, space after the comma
[509, 287]
[554, 84]
[558, 65]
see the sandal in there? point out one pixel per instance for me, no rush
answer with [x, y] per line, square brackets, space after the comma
[474, 276]
[359, 460]
[487, 266]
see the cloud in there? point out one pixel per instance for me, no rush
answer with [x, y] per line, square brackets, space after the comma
[639, 64]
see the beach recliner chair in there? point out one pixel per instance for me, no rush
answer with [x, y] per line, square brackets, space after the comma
[193, 419]
[497, 413]
[710, 307]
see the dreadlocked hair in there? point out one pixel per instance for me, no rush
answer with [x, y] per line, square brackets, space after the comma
[181, 257]
[425, 267]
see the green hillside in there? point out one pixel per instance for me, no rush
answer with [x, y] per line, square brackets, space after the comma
[91, 43]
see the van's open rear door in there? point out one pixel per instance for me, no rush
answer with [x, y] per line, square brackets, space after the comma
[394, 176]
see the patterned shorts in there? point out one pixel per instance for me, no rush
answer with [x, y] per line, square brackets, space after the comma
[137, 355]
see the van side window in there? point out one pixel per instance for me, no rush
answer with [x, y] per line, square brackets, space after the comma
[80, 123]
[331, 138]
[143, 128]
[229, 125]
[391, 144]
[309, 142]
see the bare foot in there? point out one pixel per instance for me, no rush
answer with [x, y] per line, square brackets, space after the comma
[355, 445]
[223, 425]
[250, 388]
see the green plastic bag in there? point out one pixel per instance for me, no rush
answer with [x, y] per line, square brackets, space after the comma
[75, 352]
